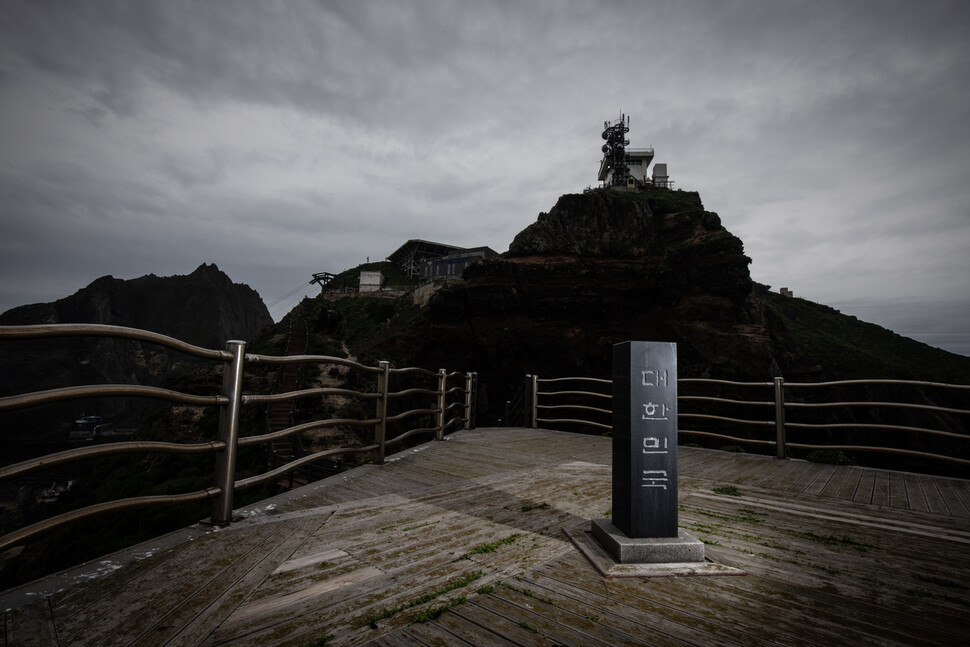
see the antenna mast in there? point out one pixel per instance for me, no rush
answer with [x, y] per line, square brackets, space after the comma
[615, 149]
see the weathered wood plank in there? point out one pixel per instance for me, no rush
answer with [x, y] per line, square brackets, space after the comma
[931, 494]
[274, 606]
[315, 559]
[866, 487]
[833, 555]
[847, 492]
[898, 496]
[30, 626]
[914, 492]
[706, 464]
[164, 608]
[611, 621]
[430, 634]
[818, 481]
[654, 606]
[469, 631]
[510, 630]
[202, 612]
[747, 469]
[788, 472]
[955, 504]
[540, 616]
[823, 476]
[881, 489]
[776, 470]
[154, 590]
[834, 484]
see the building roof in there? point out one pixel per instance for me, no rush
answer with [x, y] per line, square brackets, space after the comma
[416, 248]
[410, 253]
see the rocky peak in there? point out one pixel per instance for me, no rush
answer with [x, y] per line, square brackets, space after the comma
[204, 308]
[600, 268]
[609, 224]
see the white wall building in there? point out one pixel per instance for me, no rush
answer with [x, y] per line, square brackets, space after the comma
[371, 281]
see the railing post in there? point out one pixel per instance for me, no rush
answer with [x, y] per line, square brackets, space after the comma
[469, 399]
[534, 414]
[473, 401]
[225, 476]
[380, 429]
[781, 451]
[526, 400]
[442, 385]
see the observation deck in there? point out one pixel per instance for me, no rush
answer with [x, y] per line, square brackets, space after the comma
[462, 542]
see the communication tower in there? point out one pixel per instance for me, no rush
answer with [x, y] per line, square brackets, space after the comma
[614, 150]
[626, 168]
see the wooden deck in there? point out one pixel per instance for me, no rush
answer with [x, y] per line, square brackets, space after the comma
[833, 556]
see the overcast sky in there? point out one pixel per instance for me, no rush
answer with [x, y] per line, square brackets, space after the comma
[279, 139]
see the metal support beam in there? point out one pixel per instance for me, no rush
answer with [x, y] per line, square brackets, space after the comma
[229, 416]
[442, 386]
[781, 451]
[380, 429]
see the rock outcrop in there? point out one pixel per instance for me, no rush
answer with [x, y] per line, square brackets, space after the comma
[204, 308]
[600, 268]
[607, 266]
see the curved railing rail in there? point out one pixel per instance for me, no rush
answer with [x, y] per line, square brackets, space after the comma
[555, 404]
[444, 399]
[537, 413]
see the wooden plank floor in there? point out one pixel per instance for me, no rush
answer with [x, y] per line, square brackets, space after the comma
[461, 543]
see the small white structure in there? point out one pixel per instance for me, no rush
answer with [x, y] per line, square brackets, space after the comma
[660, 177]
[371, 281]
[637, 160]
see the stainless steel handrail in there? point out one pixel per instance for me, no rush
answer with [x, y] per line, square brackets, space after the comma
[21, 535]
[100, 451]
[310, 359]
[780, 424]
[879, 381]
[605, 396]
[229, 401]
[596, 380]
[25, 400]
[305, 393]
[104, 330]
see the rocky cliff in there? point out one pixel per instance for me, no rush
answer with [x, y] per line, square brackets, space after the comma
[204, 308]
[608, 266]
[600, 268]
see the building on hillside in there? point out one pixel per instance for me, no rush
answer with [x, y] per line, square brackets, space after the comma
[413, 255]
[627, 168]
[453, 264]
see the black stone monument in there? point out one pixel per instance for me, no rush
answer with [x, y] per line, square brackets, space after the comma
[645, 439]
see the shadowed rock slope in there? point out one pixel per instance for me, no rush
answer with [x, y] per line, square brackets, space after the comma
[607, 266]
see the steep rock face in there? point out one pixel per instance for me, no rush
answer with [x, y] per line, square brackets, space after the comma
[601, 268]
[204, 308]
[680, 248]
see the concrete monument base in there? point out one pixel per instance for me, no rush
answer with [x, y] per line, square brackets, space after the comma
[608, 566]
[647, 550]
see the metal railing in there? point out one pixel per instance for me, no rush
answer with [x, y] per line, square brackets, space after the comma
[778, 405]
[451, 407]
[533, 382]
